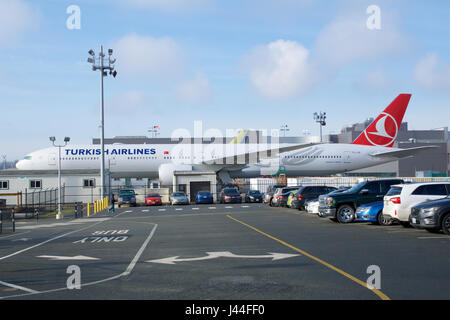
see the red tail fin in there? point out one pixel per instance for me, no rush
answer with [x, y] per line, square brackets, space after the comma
[383, 131]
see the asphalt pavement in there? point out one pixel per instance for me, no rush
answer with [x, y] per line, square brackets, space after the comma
[236, 251]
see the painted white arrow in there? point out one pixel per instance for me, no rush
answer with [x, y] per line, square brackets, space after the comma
[224, 254]
[68, 258]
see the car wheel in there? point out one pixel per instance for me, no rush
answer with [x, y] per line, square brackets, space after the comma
[345, 214]
[446, 224]
[382, 221]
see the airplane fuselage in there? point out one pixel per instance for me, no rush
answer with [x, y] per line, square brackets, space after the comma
[322, 159]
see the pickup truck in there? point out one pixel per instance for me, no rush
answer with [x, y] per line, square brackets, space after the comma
[342, 205]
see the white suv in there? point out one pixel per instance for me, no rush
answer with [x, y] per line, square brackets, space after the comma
[402, 197]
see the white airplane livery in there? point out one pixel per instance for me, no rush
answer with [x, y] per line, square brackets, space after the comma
[372, 147]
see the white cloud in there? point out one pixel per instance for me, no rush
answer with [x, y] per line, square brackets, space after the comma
[376, 79]
[127, 103]
[195, 90]
[148, 57]
[16, 17]
[280, 69]
[431, 73]
[170, 5]
[347, 39]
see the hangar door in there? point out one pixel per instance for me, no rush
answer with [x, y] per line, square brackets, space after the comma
[197, 186]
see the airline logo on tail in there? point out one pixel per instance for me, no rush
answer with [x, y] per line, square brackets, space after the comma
[383, 131]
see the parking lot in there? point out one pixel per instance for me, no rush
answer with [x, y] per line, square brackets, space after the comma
[220, 251]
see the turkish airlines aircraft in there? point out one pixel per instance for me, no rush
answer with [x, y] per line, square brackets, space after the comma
[372, 147]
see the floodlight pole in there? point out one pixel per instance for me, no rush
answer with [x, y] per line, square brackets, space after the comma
[320, 118]
[102, 138]
[101, 66]
[59, 215]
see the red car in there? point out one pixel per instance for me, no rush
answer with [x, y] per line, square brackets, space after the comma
[153, 199]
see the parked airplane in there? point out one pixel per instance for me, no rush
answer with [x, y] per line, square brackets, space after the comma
[372, 147]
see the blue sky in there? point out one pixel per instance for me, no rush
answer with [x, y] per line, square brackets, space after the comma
[231, 64]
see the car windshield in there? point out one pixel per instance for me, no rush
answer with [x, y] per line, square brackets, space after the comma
[394, 191]
[356, 187]
[153, 195]
[254, 192]
[204, 193]
[126, 193]
[230, 191]
[178, 194]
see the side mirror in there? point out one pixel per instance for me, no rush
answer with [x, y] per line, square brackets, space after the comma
[364, 191]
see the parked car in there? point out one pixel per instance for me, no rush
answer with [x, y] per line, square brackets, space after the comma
[204, 197]
[342, 205]
[312, 206]
[372, 212]
[270, 191]
[228, 195]
[280, 196]
[153, 199]
[126, 196]
[179, 197]
[432, 216]
[254, 196]
[308, 193]
[401, 198]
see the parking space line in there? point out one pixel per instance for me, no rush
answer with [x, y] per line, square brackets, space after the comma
[196, 208]
[345, 274]
[161, 209]
[211, 207]
[178, 209]
[6, 284]
[146, 210]
[228, 207]
[437, 237]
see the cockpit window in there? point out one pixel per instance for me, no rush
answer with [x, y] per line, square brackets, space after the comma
[27, 158]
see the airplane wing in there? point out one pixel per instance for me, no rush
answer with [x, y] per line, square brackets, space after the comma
[252, 156]
[402, 153]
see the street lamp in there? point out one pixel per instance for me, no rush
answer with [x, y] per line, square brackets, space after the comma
[320, 118]
[66, 140]
[284, 128]
[103, 73]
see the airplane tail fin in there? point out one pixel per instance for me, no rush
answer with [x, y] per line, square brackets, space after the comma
[239, 137]
[383, 131]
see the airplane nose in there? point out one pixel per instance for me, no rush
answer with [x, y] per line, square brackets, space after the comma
[20, 165]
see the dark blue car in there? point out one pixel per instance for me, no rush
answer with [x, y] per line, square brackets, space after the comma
[372, 212]
[204, 197]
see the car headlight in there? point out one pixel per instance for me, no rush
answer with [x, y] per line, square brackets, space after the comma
[330, 201]
[362, 210]
[428, 212]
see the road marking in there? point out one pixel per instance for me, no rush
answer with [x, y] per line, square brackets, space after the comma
[211, 207]
[127, 211]
[47, 241]
[441, 237]
[228, 207]
[345, 274]
[225, 254]
[245, 206]
[125, 273]
[59, 258]
[178, 209]
[145, 210]
[161, 209]
[195, 208]
[18, 287]
[139, 253]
